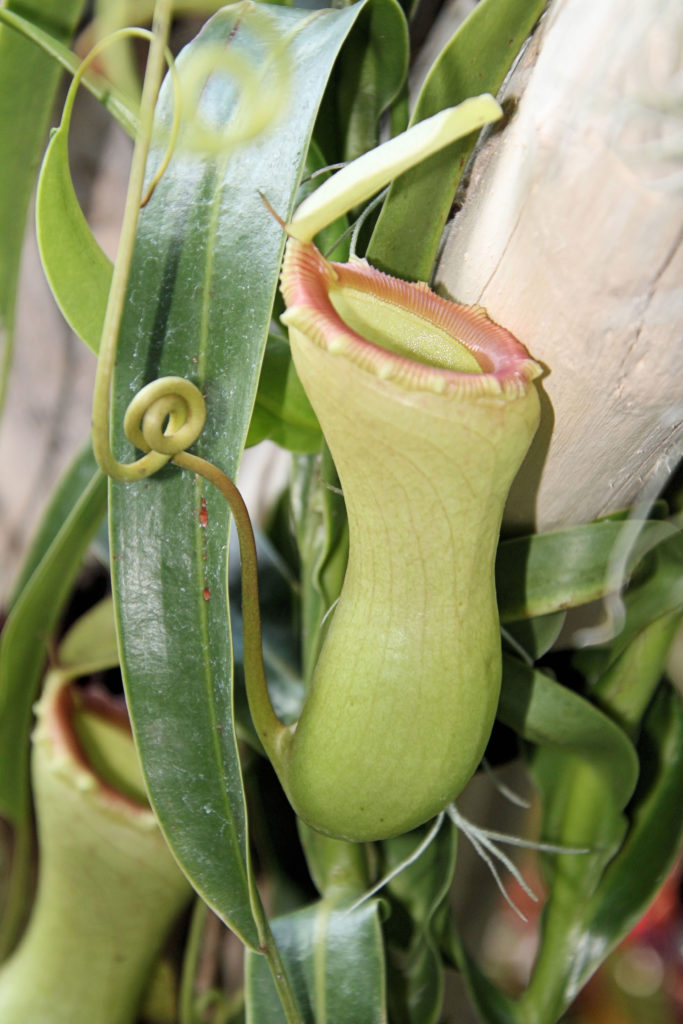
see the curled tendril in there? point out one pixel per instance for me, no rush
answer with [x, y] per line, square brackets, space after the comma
[165, 417]
[264, 93]
[131, 33]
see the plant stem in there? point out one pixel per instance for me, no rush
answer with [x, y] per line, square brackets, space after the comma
[627, 687]
[272, 732]
[15, 910]
[272, 955]
[270, 728]
[117, 294]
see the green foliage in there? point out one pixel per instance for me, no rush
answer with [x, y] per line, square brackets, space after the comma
[205, 242]
[335, 960]
[600, 726]
[28, 86]
[475, 60]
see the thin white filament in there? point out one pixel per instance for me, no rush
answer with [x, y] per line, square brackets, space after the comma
[417, 852]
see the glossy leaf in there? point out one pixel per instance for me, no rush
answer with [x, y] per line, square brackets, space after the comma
[78, 272]
[90, 645]
[475, 60]
[322, 533]
[369, 75]
[581, 806]
[535, 636]
[656, 591]
[28, 86]
[551, 715]
[200, 295]
[335, 960]
[101, 88]
[71, 485]
[282, 412]
[417, 895]
[549, 572]
[632, 880]
[599, 897]
[32, 620]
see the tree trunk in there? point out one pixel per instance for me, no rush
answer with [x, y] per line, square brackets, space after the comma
[570, 236]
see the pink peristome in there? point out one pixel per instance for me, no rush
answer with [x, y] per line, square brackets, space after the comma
[59, 722]
[307, 277]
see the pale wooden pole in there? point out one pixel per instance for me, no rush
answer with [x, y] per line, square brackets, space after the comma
[571, 236]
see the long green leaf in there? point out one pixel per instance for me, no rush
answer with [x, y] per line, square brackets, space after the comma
[282, 412]
[90, 645]
[71, 485]
[549, 572]
[321, 527]
[548, 714]
[367, 78]
[31, 622]
[335, 961]
[654, 839]
[405, 242]
[78, 272]
[28, 85]
[112, 99]
[594, 900]
[417, 894]
[200, 295]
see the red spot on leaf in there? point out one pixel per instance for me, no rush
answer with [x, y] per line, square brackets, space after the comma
[207, 594]
[203, 514]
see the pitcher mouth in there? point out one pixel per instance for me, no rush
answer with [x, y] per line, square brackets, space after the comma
[411, 336]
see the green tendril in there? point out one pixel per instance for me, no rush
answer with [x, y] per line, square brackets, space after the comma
[170, 400]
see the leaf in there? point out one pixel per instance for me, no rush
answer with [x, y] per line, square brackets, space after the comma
[101, 88]
[322, 532]
[368, 76]
[548, 714]
[334, 959]
[535, 636]
[28, 86]
[200, 295]
[595, 900]
[90, 645]
[282, 412]
[475, 60]
[32, 620]
[417, 896]
[654, 840]
[71, 485]
[655, 592]
[549, 572]
[77, 270]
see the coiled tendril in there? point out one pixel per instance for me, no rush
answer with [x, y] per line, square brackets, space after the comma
[164, 418]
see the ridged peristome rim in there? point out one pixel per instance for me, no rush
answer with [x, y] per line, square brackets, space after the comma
[307, 278]
[57, 710]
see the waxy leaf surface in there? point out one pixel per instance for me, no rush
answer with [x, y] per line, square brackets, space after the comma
[335, 962]
[200, 295]
[28, 85]
[475, 60]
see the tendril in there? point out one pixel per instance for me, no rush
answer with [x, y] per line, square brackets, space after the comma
[163, 419]
[159, 55]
